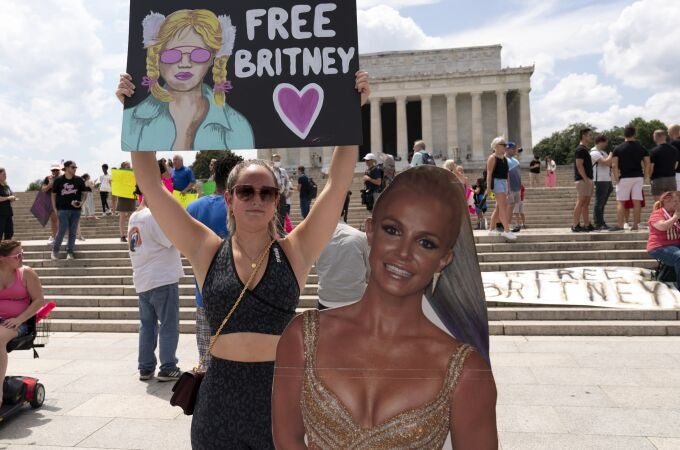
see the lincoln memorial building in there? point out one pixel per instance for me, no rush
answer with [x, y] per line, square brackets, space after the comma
[456, 100]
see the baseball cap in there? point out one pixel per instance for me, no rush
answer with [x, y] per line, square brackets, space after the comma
[370, 157]
[55, 167]
[510, 144]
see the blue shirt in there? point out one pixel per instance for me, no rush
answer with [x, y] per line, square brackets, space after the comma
[211, 211]
[515, 174]
[182, 177]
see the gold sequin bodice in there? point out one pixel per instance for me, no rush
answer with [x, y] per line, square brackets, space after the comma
[329, 425]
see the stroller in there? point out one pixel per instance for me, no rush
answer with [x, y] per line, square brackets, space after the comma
[17, 391]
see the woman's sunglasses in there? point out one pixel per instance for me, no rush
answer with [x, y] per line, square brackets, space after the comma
[174, 55]
[246, 192]
[18, 256]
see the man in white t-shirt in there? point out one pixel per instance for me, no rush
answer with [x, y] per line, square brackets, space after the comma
[602, 163]
[347, 249]
[105, 189]
[156, 270]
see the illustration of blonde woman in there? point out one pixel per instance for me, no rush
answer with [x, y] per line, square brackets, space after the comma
[182, 112]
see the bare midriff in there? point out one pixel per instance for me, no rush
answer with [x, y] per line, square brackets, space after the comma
[246, 347]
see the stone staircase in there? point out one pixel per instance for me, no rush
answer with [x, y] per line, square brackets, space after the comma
[94, 292]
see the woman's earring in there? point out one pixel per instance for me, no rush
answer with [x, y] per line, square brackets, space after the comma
[435, 279]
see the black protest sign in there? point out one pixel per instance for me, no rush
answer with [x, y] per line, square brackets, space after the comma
[213, 75]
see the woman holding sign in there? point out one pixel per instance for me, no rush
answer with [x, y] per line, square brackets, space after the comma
[233, 409]
[379, 373]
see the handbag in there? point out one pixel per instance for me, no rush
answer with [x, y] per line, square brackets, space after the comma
[185, 390]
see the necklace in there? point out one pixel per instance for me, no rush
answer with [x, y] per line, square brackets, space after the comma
[253, 264]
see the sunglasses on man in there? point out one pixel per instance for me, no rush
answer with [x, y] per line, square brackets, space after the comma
[246, 192]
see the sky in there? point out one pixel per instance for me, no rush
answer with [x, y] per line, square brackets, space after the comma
[603, 62]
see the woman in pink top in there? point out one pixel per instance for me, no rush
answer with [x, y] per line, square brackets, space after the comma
[20, 297]
[664, 231]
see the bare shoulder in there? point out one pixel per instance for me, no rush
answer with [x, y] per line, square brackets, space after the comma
[290, 350]
[30, 275]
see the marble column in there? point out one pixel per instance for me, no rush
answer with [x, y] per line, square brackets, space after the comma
[426, 117]
[376, 126]
[525, 119]
[452, 127]
[402, 129]
[502, 113]
[477, 134]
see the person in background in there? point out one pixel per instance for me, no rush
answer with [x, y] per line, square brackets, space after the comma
[166, 178]
[583, 177]
[389, 169]
[211, 169]
[630, 166]
[663, 242]
[421, 155]
[183, 179]
[156, 271]
[347, 249]
[674, 137]
[373, 179]
[518, 216]
[47, 188]
[125, 208]
[67, 198]
[21, 297]
[105, 189]
[7, 197]
[286, 188]
[88, 211]
[305, 190]
[534, 171]
[663, 162]
[497, 180]
[550, 173]
[211, 211]
[602, 163]
[479, 196]
[514, 182]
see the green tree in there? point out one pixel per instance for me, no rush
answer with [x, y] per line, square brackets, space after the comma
[201, 164]
[560, 145]
[35, 185]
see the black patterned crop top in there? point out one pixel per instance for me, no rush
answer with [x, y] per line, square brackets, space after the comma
[267, 308]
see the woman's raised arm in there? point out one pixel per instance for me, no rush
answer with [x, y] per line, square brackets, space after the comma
[193, 239]
[310, 237]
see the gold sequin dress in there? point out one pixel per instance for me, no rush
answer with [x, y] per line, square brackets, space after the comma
[329, 425]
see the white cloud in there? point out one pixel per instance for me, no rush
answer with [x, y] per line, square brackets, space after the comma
[383, 28]
[582, 98]
[396, 4]
[642, 49]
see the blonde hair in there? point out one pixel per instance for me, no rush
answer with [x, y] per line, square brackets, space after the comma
[450, 164]
[232, 180]
[659, 203]
[203, 22]
[496, 141]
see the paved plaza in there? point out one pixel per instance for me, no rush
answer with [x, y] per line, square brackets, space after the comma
[567, 392]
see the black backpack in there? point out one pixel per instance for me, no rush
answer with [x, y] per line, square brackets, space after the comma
[313, 189]
[427, 158]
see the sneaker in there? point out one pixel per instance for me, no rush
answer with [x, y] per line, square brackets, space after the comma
[80, 237]
[589, 228]
[70, 256]
[509, 235]
[145, 375]
[615, 228]
[577, 229]
[172, 375]
[124, 239]
[50, 240]
[54, 256]
[626, 226]
[494, 233]
[516, 229]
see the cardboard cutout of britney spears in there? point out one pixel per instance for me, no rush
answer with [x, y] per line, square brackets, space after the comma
[182, 112]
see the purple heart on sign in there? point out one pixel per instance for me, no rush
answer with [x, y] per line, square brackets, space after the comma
[298, 109]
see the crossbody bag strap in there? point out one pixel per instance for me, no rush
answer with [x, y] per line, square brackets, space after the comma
[213, 338]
